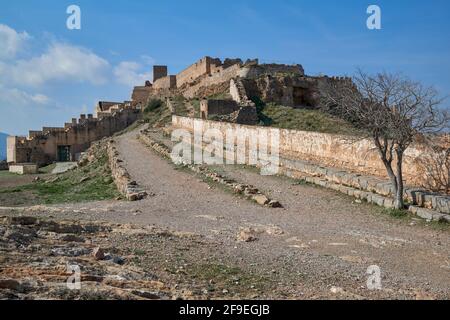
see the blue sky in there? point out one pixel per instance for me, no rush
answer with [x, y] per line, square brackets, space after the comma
[48, 74]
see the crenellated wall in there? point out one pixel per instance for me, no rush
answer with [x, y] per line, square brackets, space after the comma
[254, 70]
[41, 147]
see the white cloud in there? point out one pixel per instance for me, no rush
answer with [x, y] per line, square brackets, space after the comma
[61, 62]
[40, 98]
[26, 75]
[11, 42]
[128, 73]
[16, 97]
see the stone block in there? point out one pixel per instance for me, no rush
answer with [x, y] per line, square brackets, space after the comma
[385, 189]
[378, 200]
[363, 182]
[23, 168]
[442, 204]
[389, 203]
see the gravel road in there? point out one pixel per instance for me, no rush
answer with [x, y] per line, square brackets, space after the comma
[319, 245]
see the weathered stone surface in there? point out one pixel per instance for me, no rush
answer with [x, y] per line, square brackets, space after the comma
[98, 253]
[428, 214]
[41, 147]
[378, 200]
[261, 199]
[125, 185]
[247, 235]
[11, 284]
[20, 220]
[70, 251]
[71, 238]
[275, 204]
[20, 235]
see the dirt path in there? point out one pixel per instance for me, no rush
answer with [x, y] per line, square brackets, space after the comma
[320, 244]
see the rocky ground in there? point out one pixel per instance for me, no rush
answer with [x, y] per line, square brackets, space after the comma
[116, 262]
[192, 239]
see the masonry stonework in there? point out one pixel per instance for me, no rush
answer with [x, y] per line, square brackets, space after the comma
[67, 143]
[159, 72]
[331, 150]
[168, 82]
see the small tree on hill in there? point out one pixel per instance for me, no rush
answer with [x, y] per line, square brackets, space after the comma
[392, 110]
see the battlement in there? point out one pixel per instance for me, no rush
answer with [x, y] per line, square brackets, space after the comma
[41, 146]
[203, 67]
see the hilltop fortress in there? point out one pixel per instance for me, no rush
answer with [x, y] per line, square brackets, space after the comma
[244, 82]
[225, 89]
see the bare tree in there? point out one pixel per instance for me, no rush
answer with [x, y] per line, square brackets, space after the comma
[392, 110]
[436, 166]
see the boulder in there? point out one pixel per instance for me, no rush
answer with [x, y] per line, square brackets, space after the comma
[261, 199]
[98, 253]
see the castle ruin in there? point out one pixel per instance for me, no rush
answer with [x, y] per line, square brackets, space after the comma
[241, 82]
[67, 143]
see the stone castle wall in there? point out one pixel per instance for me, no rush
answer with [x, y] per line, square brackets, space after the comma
[140, 95]
[215, 79]
[42, 146]
[196, 70]
[332, 150]
[168, 82]
[256, 70]
[159, 72]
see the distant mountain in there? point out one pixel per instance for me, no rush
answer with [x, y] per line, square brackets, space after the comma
[3, 137]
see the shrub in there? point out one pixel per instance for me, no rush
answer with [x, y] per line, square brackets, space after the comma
[152, 105]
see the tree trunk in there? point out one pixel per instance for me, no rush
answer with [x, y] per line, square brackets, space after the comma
[384, 151]
[399, 202]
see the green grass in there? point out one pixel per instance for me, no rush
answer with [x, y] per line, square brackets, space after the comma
[303, 119]
[180, 106]
[153, 105]
[396, 213]
[228, 276]
[196, 104]
[220, 96]
[47, 169]
[89, 183]
[6, 174]
[157, 113]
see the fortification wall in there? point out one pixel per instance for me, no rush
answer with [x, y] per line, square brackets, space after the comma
[194, 71]
[42, 149]
[140, 95]
[216, 79]
[331, 150]
[257, 70]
